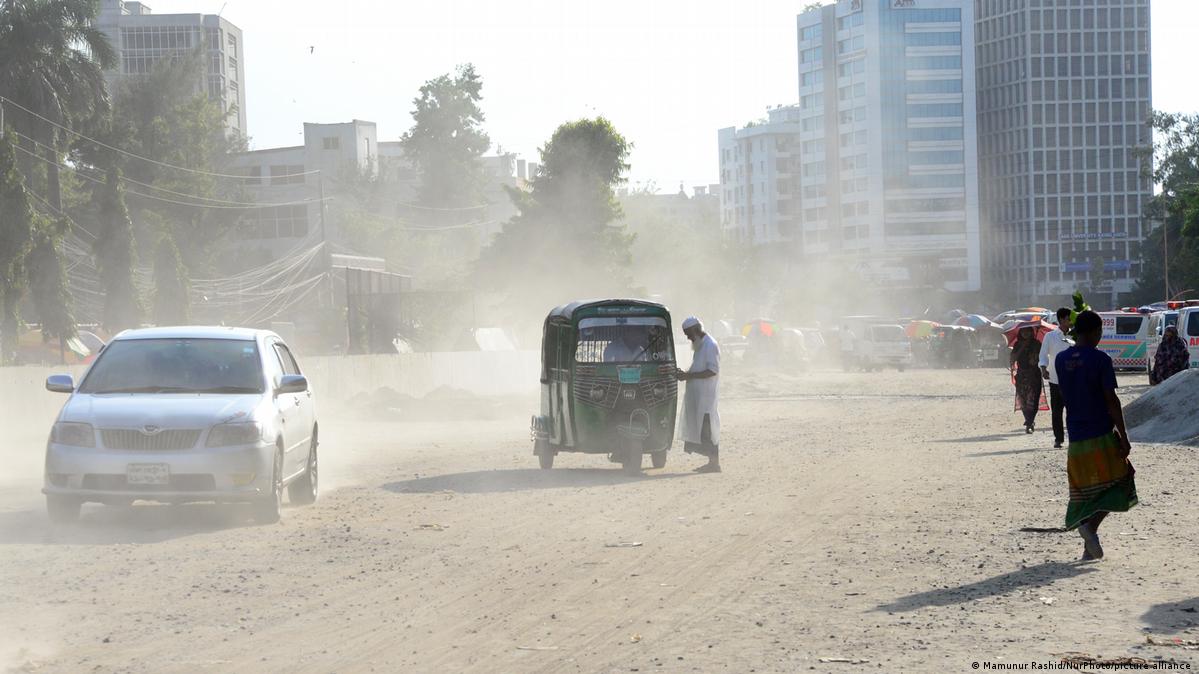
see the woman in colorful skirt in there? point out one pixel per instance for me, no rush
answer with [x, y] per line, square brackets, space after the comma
[1026, 366]
[1101, 477]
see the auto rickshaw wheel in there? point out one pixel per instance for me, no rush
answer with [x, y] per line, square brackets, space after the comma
[658, 459]
[545, 455]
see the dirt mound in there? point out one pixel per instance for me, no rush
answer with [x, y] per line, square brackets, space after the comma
[441, 404]
[1166, 413]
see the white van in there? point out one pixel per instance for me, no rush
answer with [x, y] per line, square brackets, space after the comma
[880, 345]
[1125, 338]
[1188, 330]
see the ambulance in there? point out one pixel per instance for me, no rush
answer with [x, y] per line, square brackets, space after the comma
[1125, 338]
[1188, 330]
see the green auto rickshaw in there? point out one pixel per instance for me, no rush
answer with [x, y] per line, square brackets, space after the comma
[607, 382]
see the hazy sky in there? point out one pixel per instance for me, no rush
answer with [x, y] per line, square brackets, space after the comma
[668, 73]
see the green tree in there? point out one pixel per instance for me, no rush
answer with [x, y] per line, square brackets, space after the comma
[116, 256]
[171, 287]
[567, 239]
[16, 239]
[52, 61]
[48, 281]
[1175, 208]
[447, 140]
[161, 117]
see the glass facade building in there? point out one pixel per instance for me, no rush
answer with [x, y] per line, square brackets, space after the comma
[142, 39]
[888, 154]
[1064, 100]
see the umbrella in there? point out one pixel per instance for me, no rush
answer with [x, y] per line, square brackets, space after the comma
[1040, 329]
[1035, 310]
[976, 321]
[762, 326]
[920, 329]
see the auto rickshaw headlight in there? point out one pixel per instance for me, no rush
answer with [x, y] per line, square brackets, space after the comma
[597, 394]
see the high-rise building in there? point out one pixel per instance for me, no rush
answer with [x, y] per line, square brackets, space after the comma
[1064, 96]
[142, 39]
[887, 146]
[759, 200]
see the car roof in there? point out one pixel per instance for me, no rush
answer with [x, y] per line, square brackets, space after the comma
[194, 332]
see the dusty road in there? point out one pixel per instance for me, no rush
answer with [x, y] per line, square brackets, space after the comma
[866, 517]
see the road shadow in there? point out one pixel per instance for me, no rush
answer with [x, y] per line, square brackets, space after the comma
[1172, 617]
[998, 437]
[111, 525]
[1039, 575]
[1004, 452]
[523, 479]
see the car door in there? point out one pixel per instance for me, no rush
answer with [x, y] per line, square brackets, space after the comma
[300, 415]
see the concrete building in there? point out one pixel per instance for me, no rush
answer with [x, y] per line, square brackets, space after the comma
[759, 195]
[887, 153]
[1064, 96]
[334, 155]
[142, 39]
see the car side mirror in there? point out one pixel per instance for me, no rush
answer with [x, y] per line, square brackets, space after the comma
[60, 383]
[292, 383]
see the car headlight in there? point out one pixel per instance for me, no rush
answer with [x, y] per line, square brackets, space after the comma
[74, 434]
[242, 433]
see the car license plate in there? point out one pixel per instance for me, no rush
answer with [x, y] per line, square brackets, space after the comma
[148, 473]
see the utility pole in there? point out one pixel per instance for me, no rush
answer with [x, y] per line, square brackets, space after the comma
[1166, 256]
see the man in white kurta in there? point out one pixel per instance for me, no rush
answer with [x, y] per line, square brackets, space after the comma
[700, 428]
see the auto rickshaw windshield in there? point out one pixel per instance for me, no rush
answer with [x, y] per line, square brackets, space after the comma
[624, 340]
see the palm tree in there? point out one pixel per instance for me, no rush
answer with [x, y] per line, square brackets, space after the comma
[52, 62]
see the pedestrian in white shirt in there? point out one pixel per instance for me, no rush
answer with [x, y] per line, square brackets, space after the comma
[1054, 343]
[701, 417]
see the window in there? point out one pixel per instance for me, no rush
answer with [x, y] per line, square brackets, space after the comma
[287, 174]
[1129, 325]
[286, 361]
[281, 222]
[811, 32]
[813, 55]
[850, 45]
[852, 21]
[812, 78]
[854, 67]
[332, 143]
[254, 175]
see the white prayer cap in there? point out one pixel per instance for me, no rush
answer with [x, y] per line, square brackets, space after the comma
[690, 322]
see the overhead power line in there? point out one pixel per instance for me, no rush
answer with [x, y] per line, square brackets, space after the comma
[137, 156]
[221, 204]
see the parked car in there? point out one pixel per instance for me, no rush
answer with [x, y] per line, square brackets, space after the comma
[185, 414]
[883, 345]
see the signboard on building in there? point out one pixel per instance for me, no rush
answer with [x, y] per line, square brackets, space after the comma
[1091, 236]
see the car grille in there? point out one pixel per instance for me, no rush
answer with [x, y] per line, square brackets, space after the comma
[180, 482]
[583, 386]
[135, 440]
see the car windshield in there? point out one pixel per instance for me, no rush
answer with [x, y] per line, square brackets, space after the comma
[624, 340]
[176, 366]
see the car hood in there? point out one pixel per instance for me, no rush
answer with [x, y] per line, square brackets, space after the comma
[166, 410]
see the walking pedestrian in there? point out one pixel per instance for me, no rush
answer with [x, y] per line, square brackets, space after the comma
[1053, 344]
[1172, 357]
[1025, 359]
[1100, 474]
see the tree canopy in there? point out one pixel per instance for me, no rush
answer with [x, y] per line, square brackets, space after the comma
[567, 239]
[1175, 209]
[447, 140]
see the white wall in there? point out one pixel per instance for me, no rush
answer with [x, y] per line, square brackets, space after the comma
[26, 406]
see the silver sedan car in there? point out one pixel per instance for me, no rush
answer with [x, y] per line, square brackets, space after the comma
[185, 414]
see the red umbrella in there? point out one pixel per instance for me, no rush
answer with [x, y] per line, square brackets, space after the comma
[1040, 329]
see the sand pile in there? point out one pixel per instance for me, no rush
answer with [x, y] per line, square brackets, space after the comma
[1166, 413]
